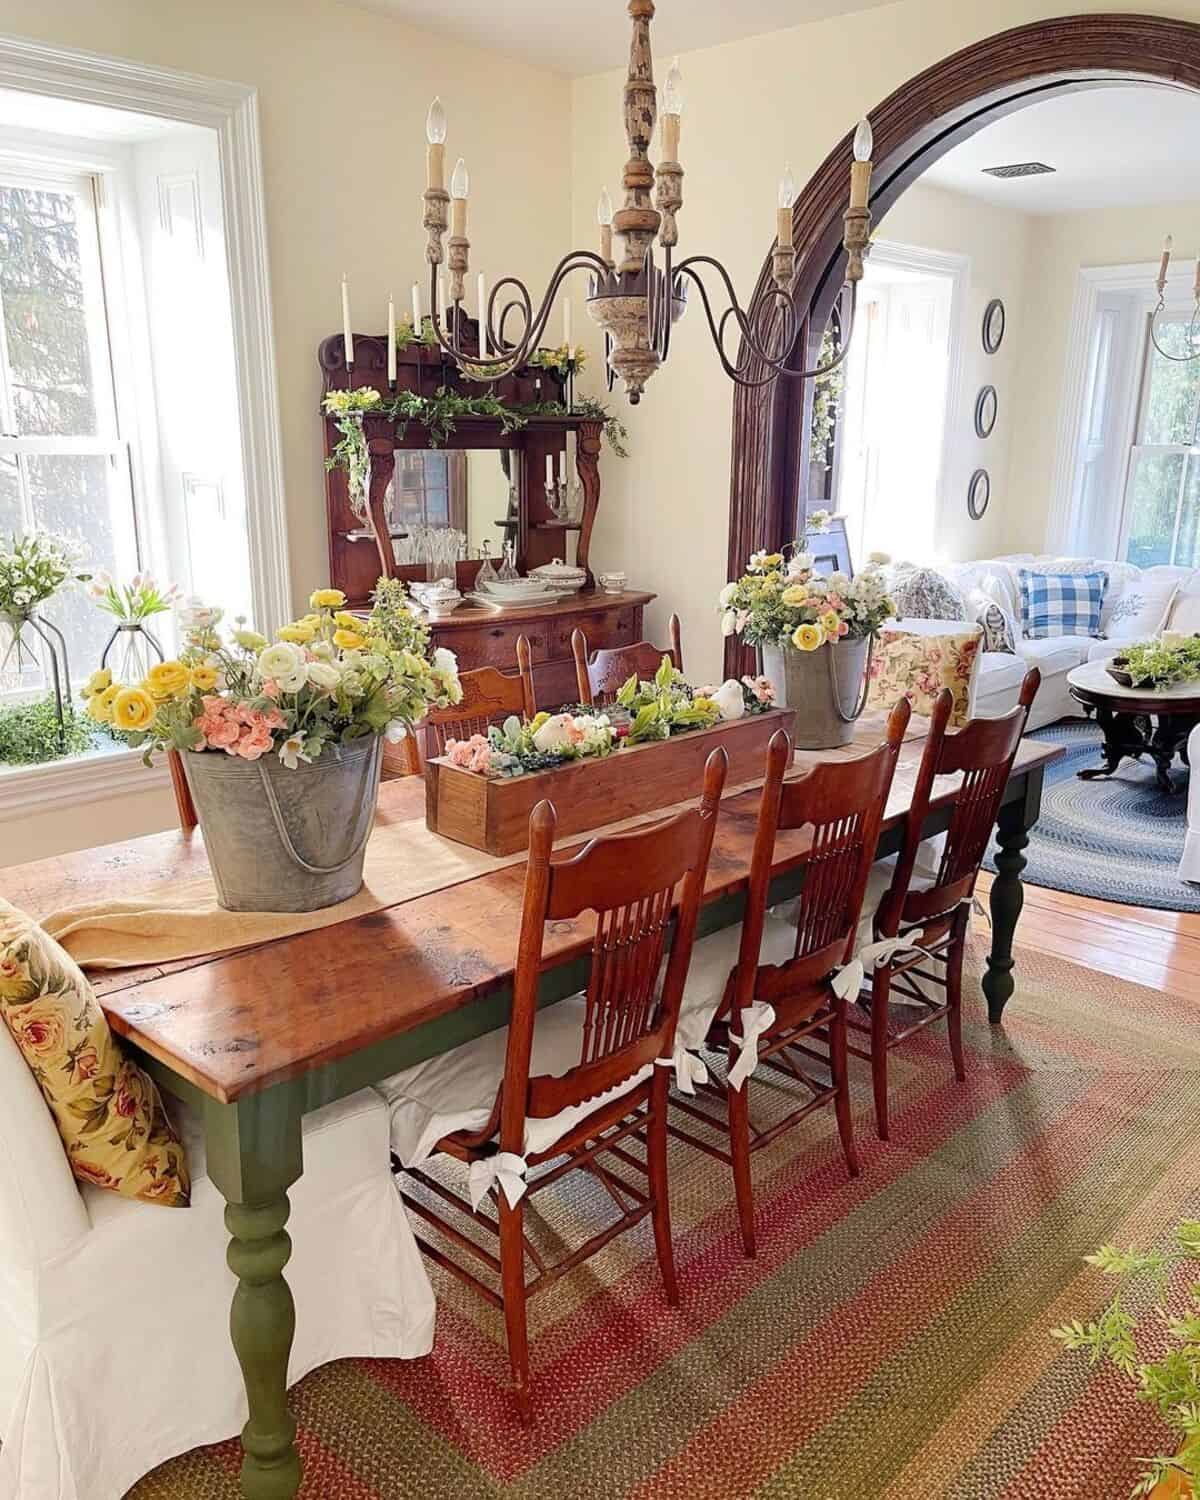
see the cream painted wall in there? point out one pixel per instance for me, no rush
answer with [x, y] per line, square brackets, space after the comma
[751, 106]
[342, 94]
[996, 243]
[1060, 246]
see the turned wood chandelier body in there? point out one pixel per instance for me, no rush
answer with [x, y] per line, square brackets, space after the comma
[635, 301]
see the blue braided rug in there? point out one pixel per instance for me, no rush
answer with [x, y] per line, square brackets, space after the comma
[1117, 840]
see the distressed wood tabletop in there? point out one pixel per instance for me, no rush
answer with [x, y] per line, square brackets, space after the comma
[236, 1023]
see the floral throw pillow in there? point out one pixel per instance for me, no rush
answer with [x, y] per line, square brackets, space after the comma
[918, 667]
[108, 1111]
[922, 594]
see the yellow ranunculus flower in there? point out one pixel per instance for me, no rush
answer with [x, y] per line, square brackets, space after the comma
[829, 622]
[297, 634]
[327, 599]
[100, 705]
[166, 680]
[808, 637]
[773, 559]
[204, 678]
[795, 595]
[347, 621]
[133, 708]
[97, 682]
[348, 640]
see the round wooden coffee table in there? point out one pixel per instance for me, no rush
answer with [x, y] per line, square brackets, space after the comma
[1137, 721]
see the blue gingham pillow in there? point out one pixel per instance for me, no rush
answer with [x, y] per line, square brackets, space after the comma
[1061, 603]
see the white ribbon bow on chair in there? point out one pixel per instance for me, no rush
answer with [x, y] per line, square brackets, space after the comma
[848, 980]
[756, 1019]
[505, 1170]
[874, 955]
[689, 1069]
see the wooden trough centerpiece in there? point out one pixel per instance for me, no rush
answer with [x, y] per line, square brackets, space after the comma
[492, 812]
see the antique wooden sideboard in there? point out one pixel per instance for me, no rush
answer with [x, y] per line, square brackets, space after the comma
[362, 531]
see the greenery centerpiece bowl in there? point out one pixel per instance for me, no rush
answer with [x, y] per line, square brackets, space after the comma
[1154, 665]
[814, 634]
[281, 740]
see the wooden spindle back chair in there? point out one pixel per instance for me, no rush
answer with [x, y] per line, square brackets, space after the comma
[184, 805]
[935, 912]
[599, 674]
[639, 886]
[489, 697]
[842, 805]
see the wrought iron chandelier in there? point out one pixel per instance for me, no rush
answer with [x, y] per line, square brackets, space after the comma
[1193, 328]
[635, 301]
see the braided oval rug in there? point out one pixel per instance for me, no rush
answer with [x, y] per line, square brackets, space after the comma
[890, 1341]
[1118, 839]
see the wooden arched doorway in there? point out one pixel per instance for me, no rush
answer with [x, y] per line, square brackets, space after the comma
[914, 126]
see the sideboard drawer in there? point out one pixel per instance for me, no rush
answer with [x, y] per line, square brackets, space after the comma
[604, 629]
[494, 645]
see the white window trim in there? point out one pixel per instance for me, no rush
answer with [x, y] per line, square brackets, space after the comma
[231, 110]
[1089, 284]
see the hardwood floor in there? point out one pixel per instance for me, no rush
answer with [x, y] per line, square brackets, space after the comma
[1156, 948]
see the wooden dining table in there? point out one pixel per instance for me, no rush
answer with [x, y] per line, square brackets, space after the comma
[257, 1038]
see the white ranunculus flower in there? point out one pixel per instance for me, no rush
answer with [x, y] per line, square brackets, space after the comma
[730, 699]
[879, 559]
[280, 661]
[726, 594]
[838, 580]
[322, 675]
[553, 734]
[444, 660]
[729, 622]
[396, 731]
[801, 562]
[324, 650]
[291, 752]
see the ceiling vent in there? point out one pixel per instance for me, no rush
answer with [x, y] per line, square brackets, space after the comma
[1020, 169]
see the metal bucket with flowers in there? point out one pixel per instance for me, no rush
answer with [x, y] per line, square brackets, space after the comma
[814, 634]
[281, 740]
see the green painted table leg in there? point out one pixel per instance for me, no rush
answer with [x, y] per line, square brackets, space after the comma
[1008, 895]
[254, 1156]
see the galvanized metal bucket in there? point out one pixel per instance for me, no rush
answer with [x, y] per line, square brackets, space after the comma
[827, 688]
[281, 840]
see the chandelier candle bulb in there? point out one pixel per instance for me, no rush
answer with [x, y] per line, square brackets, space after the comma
[604, 217]
[787, 199]
[416, 310]
[460, 183]
[391, 343]
[347, 336]
[435, 134]
[860, 168]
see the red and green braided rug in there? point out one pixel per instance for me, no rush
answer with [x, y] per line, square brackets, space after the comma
[889, 1343]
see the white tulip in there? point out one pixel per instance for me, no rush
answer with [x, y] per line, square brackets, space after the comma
[729, 622]
[726, 595]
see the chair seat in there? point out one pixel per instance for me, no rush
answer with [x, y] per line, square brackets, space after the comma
[457, 1090]
[713, 958]
[878, 883]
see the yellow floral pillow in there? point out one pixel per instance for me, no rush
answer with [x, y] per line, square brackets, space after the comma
[918, 667]
[108, 1111]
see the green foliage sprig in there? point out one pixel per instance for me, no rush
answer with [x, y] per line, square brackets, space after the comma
[827, 401]
[1171, 1383]
[30, 733]
[1153, 665]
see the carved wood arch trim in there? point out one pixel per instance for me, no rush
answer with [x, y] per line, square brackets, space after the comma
[914, 126]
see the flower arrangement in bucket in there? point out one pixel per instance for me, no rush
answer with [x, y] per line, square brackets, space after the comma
[814, 634]
[280, 740]
[643, 711]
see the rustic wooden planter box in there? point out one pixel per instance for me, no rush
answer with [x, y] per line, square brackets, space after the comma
[492, 813]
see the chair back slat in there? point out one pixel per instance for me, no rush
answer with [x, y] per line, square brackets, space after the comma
[982, 754]
[489, 697]
[600, 674]
[639, 885]
[842, 803]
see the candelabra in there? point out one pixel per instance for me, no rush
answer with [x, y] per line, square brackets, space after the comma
[1193, 328]
[635, 301]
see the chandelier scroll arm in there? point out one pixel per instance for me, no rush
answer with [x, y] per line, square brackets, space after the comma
[1176, 359]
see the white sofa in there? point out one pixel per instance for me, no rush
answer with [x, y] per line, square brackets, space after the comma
[114, 1315]
[1000, 674]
